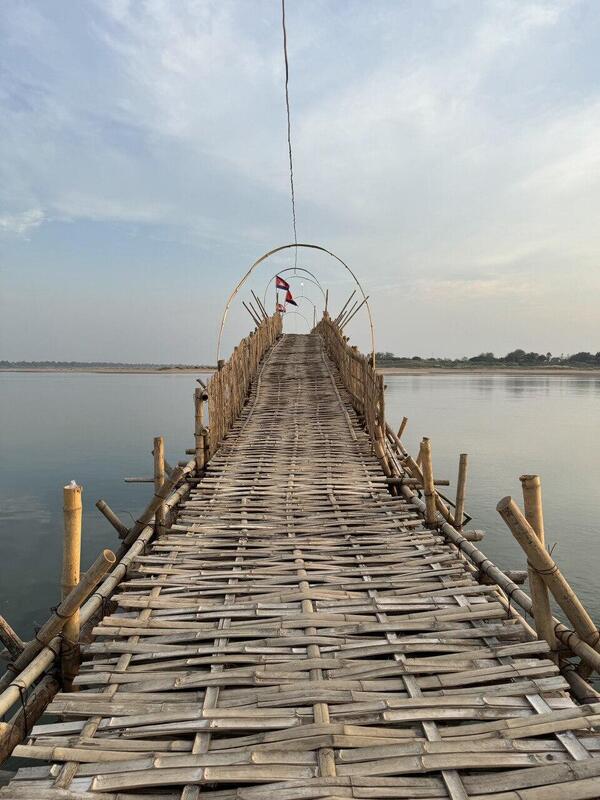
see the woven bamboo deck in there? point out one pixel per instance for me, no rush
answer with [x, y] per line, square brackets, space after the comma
[300, 633]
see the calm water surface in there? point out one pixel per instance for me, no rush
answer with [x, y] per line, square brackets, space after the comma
[97, 429]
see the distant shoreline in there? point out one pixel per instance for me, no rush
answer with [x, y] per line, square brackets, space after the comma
[466, 370]
[469, 370]
[114, 370]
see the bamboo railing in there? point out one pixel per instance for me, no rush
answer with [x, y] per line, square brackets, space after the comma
[228, 388]
[414, 480]
[359, 377]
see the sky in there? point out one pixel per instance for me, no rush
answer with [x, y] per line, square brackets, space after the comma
[448, 151]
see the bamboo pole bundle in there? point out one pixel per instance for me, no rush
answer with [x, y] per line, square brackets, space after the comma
[461, 484]
[71, 567]
[532, 498]
[542, 562]
[69, 606]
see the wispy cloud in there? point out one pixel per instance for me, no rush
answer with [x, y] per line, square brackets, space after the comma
[21, 224]
[446, 149]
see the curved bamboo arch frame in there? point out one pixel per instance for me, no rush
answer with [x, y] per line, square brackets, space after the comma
[313, 279]
[279, 249]
[314, 305]
[298, 314]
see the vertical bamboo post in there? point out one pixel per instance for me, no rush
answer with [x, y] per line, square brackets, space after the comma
[71, 567]
[542, 614]
[160, 516]
[461, 485]
[200, 431]
[428, 484]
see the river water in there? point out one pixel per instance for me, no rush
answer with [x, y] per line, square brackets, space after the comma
[98, 429]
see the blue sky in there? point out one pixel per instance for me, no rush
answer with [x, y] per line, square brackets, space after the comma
[448, 151]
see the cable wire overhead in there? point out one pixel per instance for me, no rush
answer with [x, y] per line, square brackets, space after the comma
[289, 130]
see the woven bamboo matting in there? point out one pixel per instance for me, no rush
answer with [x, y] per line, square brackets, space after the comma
[299, 633]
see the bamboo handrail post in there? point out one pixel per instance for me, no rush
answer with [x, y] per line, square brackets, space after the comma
[158, 452]
[428, 484]
[461, 485]
[71, 569]
[542, 614]
[546, 568]
[10, 639]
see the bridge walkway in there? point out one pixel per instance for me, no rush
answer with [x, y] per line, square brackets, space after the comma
[299, 633]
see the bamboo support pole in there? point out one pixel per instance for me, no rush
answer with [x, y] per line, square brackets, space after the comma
[254, 318]
[342, 320]
[257, 314]
[339, 316]
[114, 520]
[461, 485]
[260, 306]
[402, 427]
[69, 606]
[352, 314]
[200, 432]
[10, 639]
[71, 575]
[428, 484]
[159, 479]
[14, 732]
[542, 614]
[546, 568]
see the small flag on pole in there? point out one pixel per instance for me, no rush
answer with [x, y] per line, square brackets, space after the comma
[281, 308]
[289, 298]
[281, 284]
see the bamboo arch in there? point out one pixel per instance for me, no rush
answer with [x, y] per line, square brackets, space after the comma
[312, 279]
[279, 249]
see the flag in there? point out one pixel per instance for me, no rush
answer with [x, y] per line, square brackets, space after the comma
[281, 284]
[281, 308]
[289, 298]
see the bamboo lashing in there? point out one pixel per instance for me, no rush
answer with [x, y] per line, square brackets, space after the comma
[542, 614]
[71, 565]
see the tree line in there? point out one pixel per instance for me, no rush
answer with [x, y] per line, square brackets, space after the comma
[515, 358]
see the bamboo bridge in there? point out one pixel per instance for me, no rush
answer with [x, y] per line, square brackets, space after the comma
[299, 613]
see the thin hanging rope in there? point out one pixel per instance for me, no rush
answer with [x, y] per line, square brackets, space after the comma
[289, 130]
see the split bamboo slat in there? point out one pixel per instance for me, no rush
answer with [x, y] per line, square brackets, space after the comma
[300, 631]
